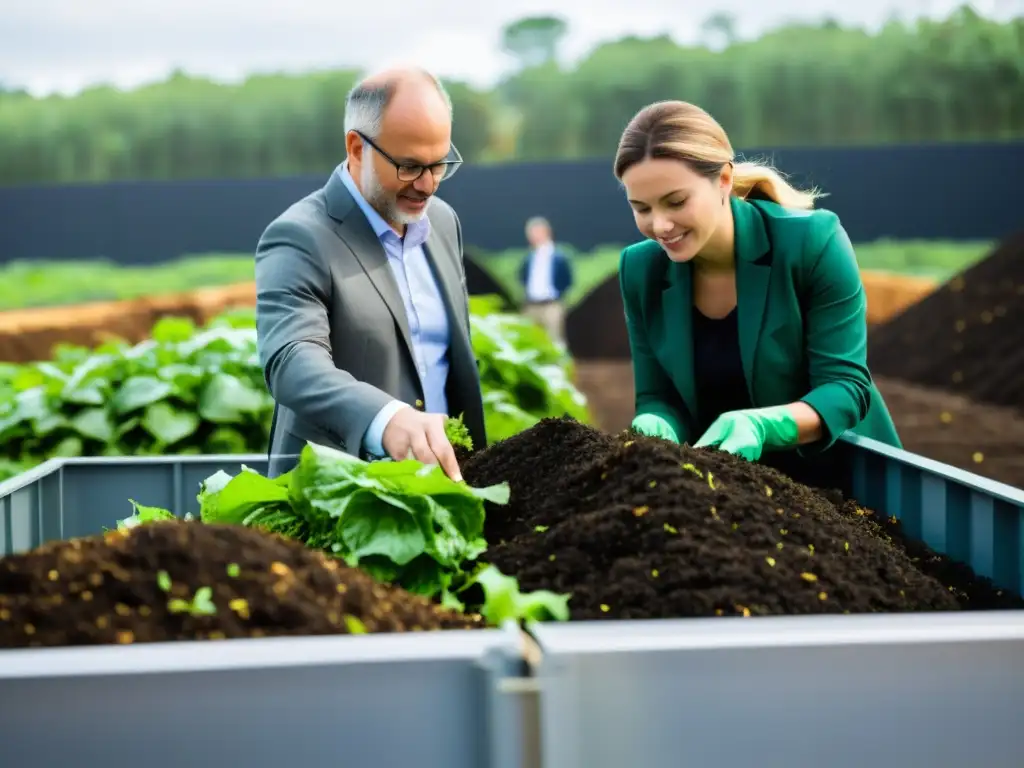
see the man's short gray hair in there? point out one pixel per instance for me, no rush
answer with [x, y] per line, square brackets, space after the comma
[538, 221]
[365, 104]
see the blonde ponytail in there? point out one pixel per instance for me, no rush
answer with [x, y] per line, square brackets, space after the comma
[751, 180]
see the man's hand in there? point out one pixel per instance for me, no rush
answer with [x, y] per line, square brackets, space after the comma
[421, 434]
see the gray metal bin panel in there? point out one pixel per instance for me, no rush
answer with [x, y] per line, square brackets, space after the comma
[972, 519]
[938, 690]
[64, 498]
[420, 699]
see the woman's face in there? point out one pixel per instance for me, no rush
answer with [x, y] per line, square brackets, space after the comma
[676, 206]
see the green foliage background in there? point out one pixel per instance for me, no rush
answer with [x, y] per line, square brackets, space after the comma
[959, 79]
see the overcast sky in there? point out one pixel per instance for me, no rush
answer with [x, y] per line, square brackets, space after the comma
[62, 45]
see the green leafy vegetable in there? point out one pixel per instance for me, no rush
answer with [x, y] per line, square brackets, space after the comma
[457, 433]
[503, 600]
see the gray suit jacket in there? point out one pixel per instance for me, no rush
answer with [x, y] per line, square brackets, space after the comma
[333, 337]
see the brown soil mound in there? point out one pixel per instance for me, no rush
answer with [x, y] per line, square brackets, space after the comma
[107, 589]
[641, 528]
[29, 335]
[967, 337]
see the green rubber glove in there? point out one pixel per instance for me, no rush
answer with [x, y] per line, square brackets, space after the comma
[654, 426]
[747, 433]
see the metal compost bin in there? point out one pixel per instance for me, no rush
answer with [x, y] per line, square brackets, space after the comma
[938, 690]
[432, 699]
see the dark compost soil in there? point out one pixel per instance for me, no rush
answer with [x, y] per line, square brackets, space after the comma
[639, 528]
[105, 589]
[967, 337]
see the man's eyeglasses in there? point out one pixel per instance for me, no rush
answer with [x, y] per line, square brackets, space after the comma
[441, 171]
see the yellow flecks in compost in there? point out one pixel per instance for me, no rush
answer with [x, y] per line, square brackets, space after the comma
[795, 515]
[604, 475]
[342, 589]
[691, 468]
[986, 317]
[5, 615]
[946, 417]
[711, 481]
[768, 491]
[743, 610]
[770, 561]
[604, 608]
[122, 610]
[280, 569]
[654, 573]
[96, 579]
[778, 546]
[810, 548]
[102, 622]
[714, 514]
[978, 457]
[29, 629]
[233, 570]
[216, 635]
[784, 531]
[641, 511]
[846, 546]
[551, 558]
[808, 576]
[780, 511]
[627, 444]
[144, 611]
[86, 596]
[670, 529]
[960, 325]
[735, 526]
[240, 606]
[652, 483]
[53, 575]
[354, 625]
[823, 596]
[718, 612]
[125, 637]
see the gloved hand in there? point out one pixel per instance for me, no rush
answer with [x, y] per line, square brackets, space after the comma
[746, 433]
[654, 426]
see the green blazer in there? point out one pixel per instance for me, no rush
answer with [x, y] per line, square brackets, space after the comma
[802, 324]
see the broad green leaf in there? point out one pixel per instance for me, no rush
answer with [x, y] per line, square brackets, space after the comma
[226, 399]
[95, 424]
[232, 501]
[168, 424]
[370, 527]
[138, 392]
[503, 600]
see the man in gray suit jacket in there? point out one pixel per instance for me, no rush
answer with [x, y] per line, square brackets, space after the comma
[361, 305]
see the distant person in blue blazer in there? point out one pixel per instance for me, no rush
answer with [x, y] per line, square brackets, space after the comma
[546, 275]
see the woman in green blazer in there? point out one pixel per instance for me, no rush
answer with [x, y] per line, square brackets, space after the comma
[745, 308]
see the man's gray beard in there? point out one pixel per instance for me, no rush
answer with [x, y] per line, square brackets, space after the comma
[385, 203]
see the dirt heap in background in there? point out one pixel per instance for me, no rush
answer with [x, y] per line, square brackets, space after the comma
[106, 589]
[967, 337]
[637, 528]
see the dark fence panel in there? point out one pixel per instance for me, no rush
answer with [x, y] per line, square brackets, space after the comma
[957, 192]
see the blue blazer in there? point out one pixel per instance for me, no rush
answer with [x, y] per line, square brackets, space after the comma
[560, 265]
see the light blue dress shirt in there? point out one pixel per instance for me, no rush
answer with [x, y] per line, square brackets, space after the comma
[424, 309]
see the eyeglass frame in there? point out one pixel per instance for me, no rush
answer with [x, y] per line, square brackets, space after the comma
[454, 165]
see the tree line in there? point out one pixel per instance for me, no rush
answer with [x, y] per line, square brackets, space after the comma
[958, 79]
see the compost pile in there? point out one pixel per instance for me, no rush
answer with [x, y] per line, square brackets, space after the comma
[966, 337]
[191, 580]
[637, 528]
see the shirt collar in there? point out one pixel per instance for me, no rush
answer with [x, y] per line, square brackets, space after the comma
[416, 233]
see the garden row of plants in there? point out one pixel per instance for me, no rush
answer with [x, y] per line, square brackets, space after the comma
[200, 390]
